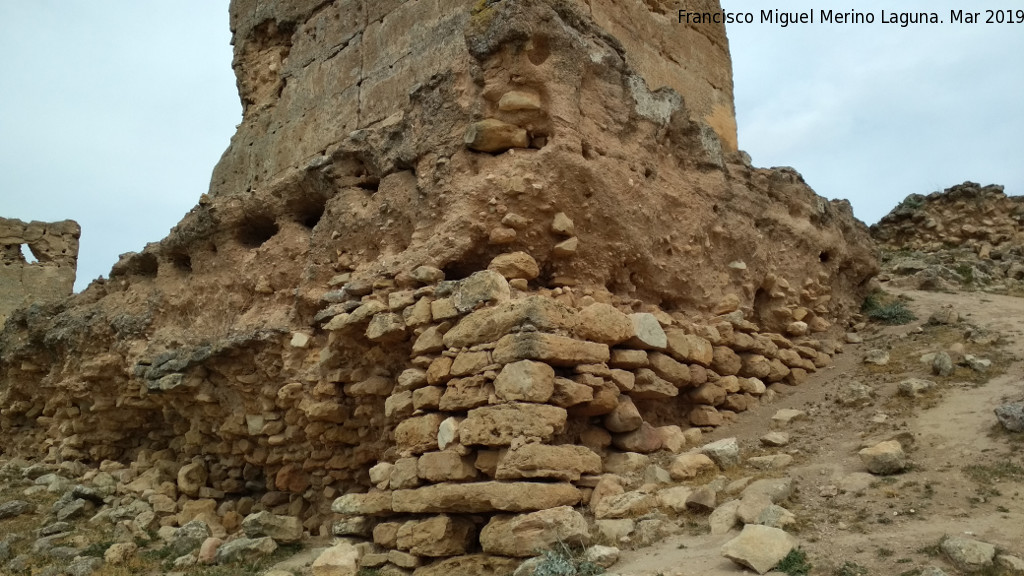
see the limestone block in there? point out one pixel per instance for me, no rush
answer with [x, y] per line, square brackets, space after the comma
[436, 537]
[492, 135]
[549, 348]
[603, 323]
[647, 332]
[502, 424]
[526, 381]
[524, 535]
[566, 462]
[479, 497]
[418, 434]
[446, 466]
[515, 265]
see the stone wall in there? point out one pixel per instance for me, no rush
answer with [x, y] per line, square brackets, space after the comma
[368, 58]
[54, 246]
[456, 251]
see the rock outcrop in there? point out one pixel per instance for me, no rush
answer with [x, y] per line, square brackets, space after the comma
[51, 277]
[456, 261]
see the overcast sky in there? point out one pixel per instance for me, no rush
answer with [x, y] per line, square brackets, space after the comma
[114, 113]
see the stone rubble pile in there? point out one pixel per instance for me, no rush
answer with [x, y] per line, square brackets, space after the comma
[967, 236]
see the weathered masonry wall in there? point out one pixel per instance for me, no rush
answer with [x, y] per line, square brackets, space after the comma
[367, 57]
[52, 276]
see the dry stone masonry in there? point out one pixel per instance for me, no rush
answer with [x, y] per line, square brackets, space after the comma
[462, 265]
[968, 236]
[54, 246]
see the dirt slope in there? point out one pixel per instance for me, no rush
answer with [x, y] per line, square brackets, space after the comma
[966, 478]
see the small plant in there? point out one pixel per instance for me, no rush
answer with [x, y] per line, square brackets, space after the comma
[966, 271]
[1004, 470]
[884, 552]
[795, 563]
[97, 549]
[564, 561]
[851, 569]
[893, 312]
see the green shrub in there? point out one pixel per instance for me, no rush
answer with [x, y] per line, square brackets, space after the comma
[564, 561]
[893, 312]
[795, 563]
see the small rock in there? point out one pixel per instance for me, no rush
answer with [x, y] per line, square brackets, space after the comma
[759, 548]
[15, 508]
[724, 518]
[83, 566]
[853, 338]
[603, 556]
[519, 100]
[566, 248]
[245, 549]
[342, 559]
[977, 364]
[187, 538]
[1011, 416]
[942, 364]
[704, 500]
[775, 439]
[914, 387]
[783, 418]
[877, 357]
[492, 135]
[968, 555]
[120, 552]
[855, 394]
[772, 462]
[776, 516]
[725, 452]
[1011, 564]
[690, 465]
[884, 458]
[674, 498]
[775, 489]
[427, 274]
[944, 315]
[563, 225]
[515, 265]
[285, 529]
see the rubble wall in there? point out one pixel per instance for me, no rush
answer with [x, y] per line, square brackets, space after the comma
[455, 254]
[51, 277]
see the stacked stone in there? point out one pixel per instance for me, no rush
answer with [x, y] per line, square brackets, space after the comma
[983, 218]
[513, 396]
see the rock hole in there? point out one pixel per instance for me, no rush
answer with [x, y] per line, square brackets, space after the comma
[370, 185]
[26, 253]
[181, 261]
[146, 265]
[762, 305]
[254, 231]
[308, 210]
[539, 50]
[824, 257]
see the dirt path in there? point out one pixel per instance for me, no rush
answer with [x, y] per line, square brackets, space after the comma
[965, 477]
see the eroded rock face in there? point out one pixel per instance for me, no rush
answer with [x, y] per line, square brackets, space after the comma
[328, 324]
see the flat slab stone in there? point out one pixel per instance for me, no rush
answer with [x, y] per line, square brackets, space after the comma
[550, 348]
[477, 497]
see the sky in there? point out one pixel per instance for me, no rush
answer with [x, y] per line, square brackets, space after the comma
[114, 112]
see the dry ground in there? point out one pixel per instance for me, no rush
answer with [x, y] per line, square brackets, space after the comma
[966, 476]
